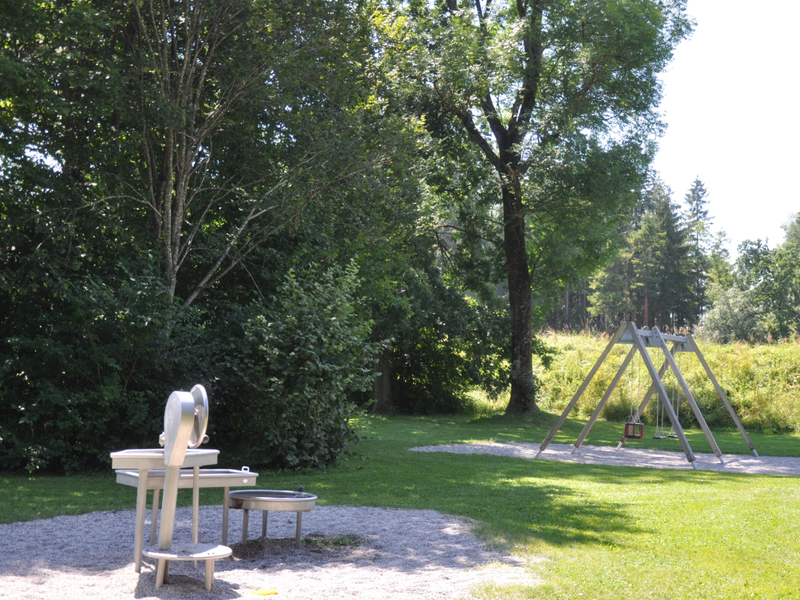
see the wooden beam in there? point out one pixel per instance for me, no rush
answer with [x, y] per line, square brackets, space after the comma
[549, 438]
[721, 393]
[651, 369]
[690, 399]
[612, 386]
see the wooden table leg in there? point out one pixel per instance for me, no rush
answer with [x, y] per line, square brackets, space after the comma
[154, 517]
[161, 567]
[225, 495]
[245, 523]
[195, 506]
[141, 506]
[209, 574]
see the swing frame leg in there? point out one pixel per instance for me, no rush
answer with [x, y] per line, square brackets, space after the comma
[695, 408]
[612, 386]
[651, 369]
[549, 437]
[721, 393]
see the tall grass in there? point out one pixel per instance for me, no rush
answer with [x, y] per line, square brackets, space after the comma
[762, 381]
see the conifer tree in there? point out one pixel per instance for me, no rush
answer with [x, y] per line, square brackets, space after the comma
[698, 226]
[651, 279]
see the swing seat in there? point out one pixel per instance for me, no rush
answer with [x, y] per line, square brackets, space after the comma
[634, 431]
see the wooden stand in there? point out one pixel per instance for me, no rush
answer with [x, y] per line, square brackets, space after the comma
[142, 462]
[208, 553]
[185, 421]
[265, 501]
[641, 339]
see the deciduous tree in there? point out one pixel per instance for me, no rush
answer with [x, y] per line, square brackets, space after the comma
[557, 99]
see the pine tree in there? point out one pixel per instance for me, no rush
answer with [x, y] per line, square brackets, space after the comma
[651, 280]
[698, 226]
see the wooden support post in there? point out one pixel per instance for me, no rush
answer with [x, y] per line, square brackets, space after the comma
[612, 386]
[690, 399]
[154, 517]
[225, 497]
[720, 392]
[245, 524]
[549, 438]
[196, 508]
[141, 506]
[651, 369]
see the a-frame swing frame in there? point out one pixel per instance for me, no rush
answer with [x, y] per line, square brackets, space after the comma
[641, 339]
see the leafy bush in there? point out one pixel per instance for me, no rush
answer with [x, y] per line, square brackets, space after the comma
[440, 356]
[735, 316]
[77, 378]
[290, 369]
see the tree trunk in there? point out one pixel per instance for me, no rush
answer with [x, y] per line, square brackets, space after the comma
[382, 387]
[519, 298]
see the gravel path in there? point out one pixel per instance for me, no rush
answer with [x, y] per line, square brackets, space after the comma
[631, 457]
[359, 553]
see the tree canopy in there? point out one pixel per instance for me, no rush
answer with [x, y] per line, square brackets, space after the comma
[292, 202]
[557, 101]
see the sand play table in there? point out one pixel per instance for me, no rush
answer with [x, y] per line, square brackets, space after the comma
[267, 500]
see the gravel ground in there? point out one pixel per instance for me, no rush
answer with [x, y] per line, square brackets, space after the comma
[631, 457]
[360, 553]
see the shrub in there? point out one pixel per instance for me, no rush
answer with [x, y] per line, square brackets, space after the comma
[290, 369]
[76, 380]
[735, 316]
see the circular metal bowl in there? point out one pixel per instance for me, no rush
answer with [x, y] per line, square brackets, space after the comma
[272, 500]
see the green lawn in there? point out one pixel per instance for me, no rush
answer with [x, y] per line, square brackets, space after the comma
[604, 532]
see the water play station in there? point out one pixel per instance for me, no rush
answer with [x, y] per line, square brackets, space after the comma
[177, 464]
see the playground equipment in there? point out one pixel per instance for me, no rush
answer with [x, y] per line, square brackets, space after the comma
[641, 339]
[177, 465]
[267, 500]
[185, 423]
[207, 478]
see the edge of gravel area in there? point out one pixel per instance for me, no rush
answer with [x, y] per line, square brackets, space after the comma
[360, 553]
[629, 457]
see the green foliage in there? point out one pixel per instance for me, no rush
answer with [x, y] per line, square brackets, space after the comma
[78, 373]
[657, 278]
[149, 194]
[773, 277]
[792, 230]
[735, 316]
[445, 345]
[290, 369]
[543, 115]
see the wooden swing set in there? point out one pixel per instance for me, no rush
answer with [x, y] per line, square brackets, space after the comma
[641, 339]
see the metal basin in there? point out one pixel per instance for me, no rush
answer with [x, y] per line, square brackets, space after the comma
[272, 500]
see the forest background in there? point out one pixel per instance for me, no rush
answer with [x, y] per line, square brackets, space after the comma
[324, 207]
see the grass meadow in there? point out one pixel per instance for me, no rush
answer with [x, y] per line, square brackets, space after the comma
[587, 531]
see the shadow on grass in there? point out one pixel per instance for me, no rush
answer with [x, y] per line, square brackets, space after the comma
[519, 501]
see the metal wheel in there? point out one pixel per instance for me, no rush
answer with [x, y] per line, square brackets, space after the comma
[199, 436]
